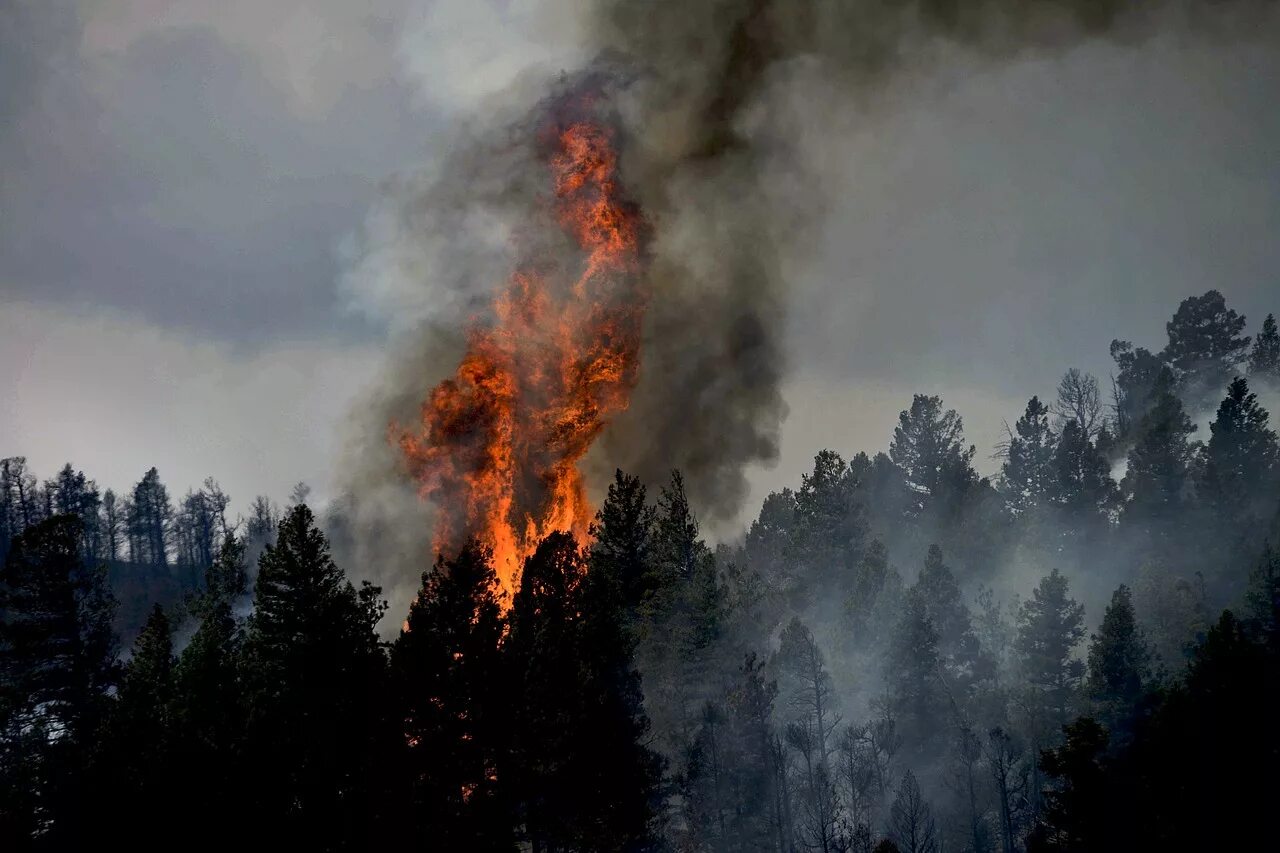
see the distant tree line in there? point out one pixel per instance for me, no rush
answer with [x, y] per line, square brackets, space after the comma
[896, 657]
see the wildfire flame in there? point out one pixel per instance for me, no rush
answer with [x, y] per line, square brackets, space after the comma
[499, 442]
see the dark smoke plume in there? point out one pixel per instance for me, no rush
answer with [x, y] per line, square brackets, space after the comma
[728, 110]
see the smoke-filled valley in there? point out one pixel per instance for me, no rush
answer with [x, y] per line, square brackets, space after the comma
[539, 605]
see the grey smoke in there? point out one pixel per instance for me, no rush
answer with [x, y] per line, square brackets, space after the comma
[732, 114]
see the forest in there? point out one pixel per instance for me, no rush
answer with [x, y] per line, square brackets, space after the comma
[1080, 652]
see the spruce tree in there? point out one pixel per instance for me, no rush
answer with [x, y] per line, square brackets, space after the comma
[313, 669]
[623, 542]
[136, 763]
[916, 697]
[57, 662]
[584, 777]
[1081, 482]
[1264, 360]
[1028, 471]
[1119, 662]
[1239, 463]
[210, 708]
[1159, 465]
[1050, 626]
[944, 605]
[450, 694]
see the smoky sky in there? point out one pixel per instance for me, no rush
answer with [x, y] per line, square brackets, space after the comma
[184, 183]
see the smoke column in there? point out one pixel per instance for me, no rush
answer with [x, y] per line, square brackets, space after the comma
[727, 112]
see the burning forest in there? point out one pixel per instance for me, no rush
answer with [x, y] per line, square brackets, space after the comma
[545, 370]
[647, 517]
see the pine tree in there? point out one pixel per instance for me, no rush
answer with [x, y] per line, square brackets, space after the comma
[19, 501]
[1132, 387]
[149, 520]
[313, 667]
[137, 761]
[541, 655]
[830, 527]
[1240, 461]
[1050, 626]
[210, 709]
[944, 605]
[928, 446]
[1081, 484]
[1159, 464]
[617, 772]
[1028, 470]
[623, 542]
[450, 694]
[583, 776]
[916, 697]
[1119, 662]
[57, 662]
[866, 590]
[1205, 346]
[1078, 813]
[1264, 360]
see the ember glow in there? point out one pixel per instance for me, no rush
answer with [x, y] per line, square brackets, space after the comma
[499, 442]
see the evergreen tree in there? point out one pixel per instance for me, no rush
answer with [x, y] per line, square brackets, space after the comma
[210, 709]
[314, 666]
[1263, 596]
[618, 774]
[1239, 464]
[769, 542]
[1119, 661]
[1264, 360]
[1028, 471]
[136, 760]
[19, 500]
[1205, 346]
[56, 666]
[1132, 387]
[623, 542]
[583, 777]
[111, 527]
[928, 446]
[946, 611]
[451, 697]
[149, 521]
[1078, 814]
[1050, 626]
[916, 697]
[1081, 484]
[1159, 464]
[867, 589]
[830, 528]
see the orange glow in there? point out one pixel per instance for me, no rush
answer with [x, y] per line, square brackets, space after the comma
[499, 442]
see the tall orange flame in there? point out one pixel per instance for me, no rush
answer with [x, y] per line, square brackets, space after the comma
[499, 442]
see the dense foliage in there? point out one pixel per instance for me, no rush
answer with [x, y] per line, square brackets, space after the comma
[1079, 654]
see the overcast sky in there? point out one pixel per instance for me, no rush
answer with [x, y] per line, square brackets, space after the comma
[180, 183]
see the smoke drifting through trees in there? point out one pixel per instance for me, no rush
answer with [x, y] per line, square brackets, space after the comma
[861, 668]
[901, 652]
[728, 114]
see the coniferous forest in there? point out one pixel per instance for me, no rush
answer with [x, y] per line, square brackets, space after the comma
[1078, 653]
